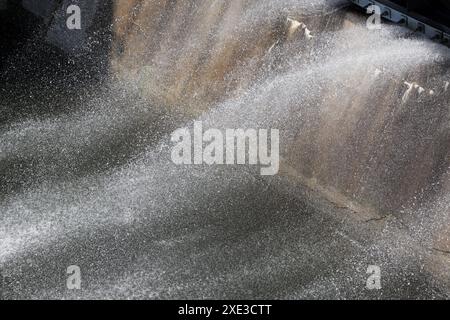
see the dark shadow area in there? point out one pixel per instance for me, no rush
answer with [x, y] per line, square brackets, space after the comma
[36, 77]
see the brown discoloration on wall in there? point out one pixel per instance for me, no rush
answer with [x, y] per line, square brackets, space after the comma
[192, 55]
[193, 51]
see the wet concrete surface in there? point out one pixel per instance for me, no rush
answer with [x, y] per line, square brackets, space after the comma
[86, 179]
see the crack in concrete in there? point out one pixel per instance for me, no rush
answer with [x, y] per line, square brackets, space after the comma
[446, 252]
[378, 219]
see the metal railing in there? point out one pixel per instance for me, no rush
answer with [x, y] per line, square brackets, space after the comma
[400, 14]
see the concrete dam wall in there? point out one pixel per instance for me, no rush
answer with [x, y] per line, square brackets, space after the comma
[87, 179]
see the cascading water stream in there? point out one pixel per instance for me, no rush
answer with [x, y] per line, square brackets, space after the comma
[364, 177]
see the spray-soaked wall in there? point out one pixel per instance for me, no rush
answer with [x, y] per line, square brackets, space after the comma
[374, 121]
[193, 54]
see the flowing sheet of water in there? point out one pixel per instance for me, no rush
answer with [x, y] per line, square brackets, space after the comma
[363, 179]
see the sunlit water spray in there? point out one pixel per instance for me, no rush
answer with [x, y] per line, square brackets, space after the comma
[363, 180]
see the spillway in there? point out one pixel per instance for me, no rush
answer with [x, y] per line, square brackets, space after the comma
[86, 176]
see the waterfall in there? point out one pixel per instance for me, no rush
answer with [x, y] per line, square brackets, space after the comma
[364, 121]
